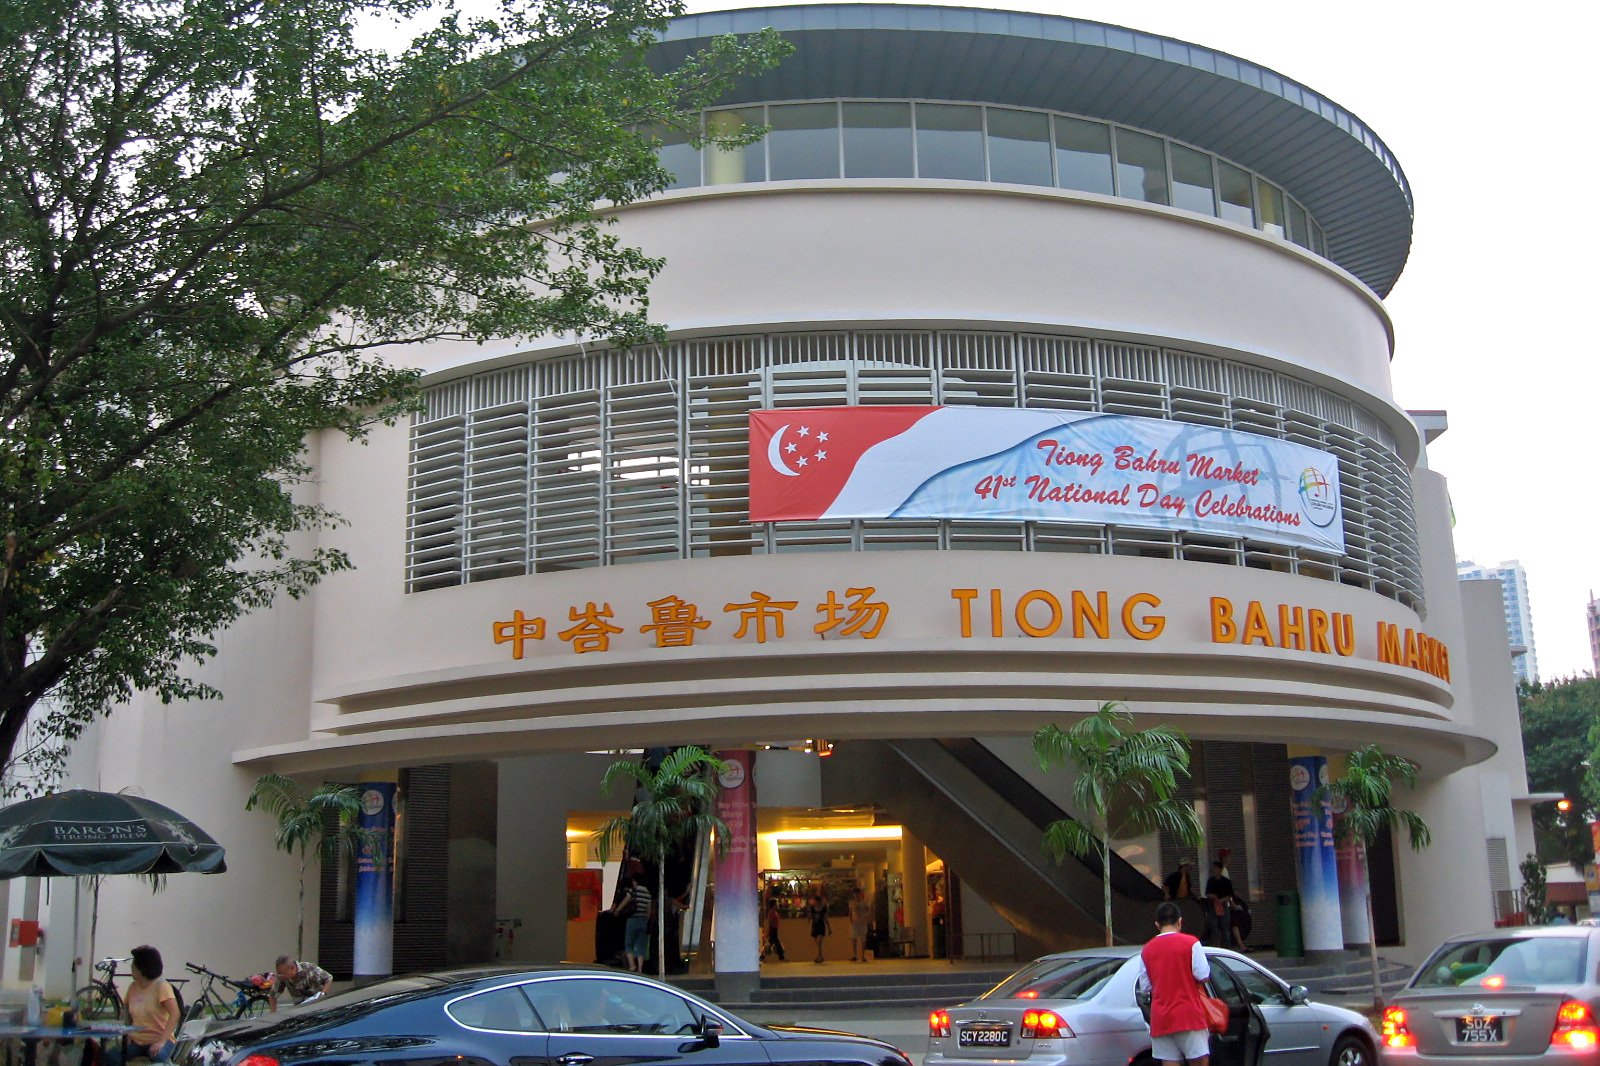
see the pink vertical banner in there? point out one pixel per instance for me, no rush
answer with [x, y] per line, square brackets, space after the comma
[738, 902]
[1352, 886]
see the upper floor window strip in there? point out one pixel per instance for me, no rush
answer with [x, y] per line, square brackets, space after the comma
[811, 140]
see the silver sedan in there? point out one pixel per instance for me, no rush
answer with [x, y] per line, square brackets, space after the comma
[1507, 996]
[1078, 1008]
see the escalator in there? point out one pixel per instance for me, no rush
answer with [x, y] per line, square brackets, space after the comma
[987, 822]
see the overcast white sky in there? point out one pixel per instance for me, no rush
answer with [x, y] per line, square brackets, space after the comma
[1490, 112]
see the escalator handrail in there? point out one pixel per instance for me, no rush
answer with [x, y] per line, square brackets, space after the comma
[1041, 810]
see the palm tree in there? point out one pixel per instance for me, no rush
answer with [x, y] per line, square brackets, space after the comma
[325, 821]
[672, 804]
[1362, 796]
[1127, 783]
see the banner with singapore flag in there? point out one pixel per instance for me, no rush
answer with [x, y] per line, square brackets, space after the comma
[1004, 464]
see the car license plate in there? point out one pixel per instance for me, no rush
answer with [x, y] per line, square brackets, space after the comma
[984, 1036]
[1475, 1029]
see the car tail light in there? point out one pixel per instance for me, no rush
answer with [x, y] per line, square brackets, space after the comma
[258, 1060]
[1396, 1030]
[1028, 993]
[1043, 1025]
[1575, 1027]
[938, 1024]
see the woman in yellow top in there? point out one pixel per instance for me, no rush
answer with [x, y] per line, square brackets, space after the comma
[152, 1007]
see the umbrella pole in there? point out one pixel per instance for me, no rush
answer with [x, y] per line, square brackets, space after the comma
[77, 913]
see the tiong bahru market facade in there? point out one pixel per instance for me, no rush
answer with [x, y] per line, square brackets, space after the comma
[564, 554]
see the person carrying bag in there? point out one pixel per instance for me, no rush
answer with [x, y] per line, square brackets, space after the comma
[1173, 969]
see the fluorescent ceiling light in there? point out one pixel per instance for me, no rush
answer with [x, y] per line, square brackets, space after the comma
[840, 835]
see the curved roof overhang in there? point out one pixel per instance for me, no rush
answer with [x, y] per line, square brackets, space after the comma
[1326, 157]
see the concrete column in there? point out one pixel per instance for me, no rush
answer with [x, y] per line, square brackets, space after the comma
[1451, 870]
[470, 888]
[738, 906]
[374, 909]
[1316, 866]
[914, 858]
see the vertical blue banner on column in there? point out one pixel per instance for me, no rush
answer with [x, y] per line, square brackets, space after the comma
[374, 917]
[1316, 864]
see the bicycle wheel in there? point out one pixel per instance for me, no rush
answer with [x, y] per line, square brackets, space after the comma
[96, 1003]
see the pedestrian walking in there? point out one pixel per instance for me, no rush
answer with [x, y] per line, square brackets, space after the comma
[817, 911]
[1172, 967]
[636, 906]
[860, 923]
[774, 944]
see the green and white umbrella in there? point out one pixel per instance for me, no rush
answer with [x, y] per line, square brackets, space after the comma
[83, 834]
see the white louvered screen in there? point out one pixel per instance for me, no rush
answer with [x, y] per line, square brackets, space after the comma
[602, 458]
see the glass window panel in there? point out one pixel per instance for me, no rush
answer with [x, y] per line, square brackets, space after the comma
[1299, 233]
[1318, 244]
[877, 141]
[1238, 206]
[678, 157]
[1141, 167]
[732, 166]
[1083, 155]
[1019, 146]
[1191, 181]
[950, 141]
[804, 142]
[1270, 197]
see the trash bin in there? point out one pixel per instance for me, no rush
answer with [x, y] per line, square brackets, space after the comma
[1290, 943]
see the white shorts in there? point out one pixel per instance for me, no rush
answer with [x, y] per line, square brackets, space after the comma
[1186, 1046]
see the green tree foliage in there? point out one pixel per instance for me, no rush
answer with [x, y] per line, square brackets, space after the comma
[1535, 890]
[1363, 797]
[219, 223]
[672, 805]
[325, 822]
[1126, 784]
[1559, 741]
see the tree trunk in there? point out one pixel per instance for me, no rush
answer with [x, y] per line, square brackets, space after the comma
[661, 917]
[1372, 935]
[300, 911]
[1105, 880]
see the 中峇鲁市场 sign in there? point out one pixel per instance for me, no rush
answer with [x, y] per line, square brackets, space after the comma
[1006, 464]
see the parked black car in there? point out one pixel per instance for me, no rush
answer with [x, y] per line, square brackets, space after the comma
[549, 1016]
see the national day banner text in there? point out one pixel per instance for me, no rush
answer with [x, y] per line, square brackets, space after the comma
[1005, 464]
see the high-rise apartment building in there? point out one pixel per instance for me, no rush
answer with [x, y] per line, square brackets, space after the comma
[1594, 632]
[1519, 612]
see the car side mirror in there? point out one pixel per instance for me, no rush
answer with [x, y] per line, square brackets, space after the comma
[710, 1031]
[1299, 994]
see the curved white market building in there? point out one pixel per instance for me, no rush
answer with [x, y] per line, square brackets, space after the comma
[952, 209]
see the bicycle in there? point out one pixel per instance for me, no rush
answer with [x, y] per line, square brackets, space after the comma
[99, 1000]
[248, 1000]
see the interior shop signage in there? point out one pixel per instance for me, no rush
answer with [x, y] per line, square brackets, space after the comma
[1077, 614]
[1005, 464]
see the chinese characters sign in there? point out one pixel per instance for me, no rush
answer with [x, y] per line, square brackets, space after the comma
[675, 623]
[864, 613]
[1006, 464]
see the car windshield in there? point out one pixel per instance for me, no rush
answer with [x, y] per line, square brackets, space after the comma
[1074, 978]
[1495, 962]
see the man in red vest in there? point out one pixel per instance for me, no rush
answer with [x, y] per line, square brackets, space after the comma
[1172, 966]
